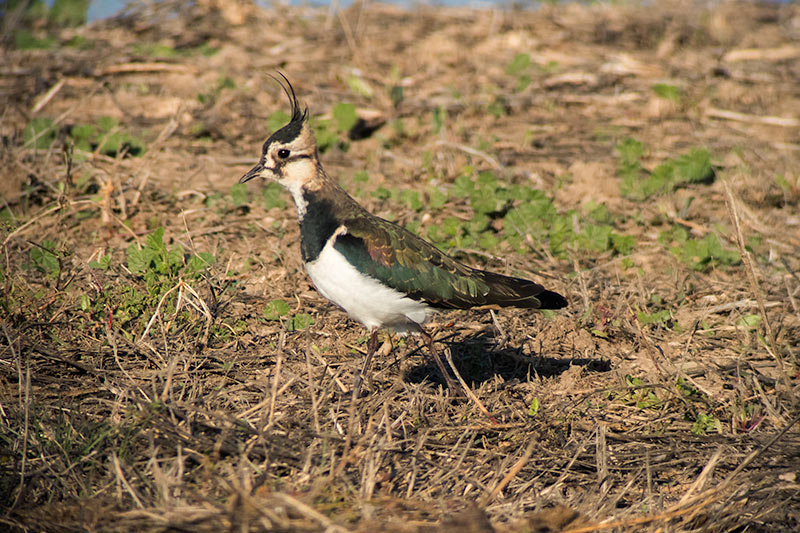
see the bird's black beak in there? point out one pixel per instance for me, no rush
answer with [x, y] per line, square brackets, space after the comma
[252, 173]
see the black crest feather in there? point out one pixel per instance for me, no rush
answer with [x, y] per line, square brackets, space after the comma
[299, 115]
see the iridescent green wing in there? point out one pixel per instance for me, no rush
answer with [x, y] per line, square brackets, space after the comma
[401, 260]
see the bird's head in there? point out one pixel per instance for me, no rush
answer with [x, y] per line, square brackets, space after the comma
[290, 155]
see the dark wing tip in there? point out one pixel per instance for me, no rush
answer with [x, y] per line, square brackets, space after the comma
[551, 300]
[508, 291]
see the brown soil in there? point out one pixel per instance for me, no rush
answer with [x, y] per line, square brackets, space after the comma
[232, 422]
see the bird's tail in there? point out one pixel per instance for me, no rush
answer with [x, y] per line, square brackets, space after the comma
[507, 291]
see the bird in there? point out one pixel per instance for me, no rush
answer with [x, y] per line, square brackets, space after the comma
[381, 274]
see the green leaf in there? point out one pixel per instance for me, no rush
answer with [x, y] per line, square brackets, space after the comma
[106, 123]
[83, 135]
[275, 309]
[359, 86]
[694, 167]
[44, 259]
[138, 260]
[412, 199]
[198, 263]
[344, 114]
[103, 262]
[436, 198]
[533, 408]
[749, 321]
[630, 151]
[623, 244]
[595, 238]
[518, 64]
[705, 423]
[299, 322]
[39, 133]
[272, 194]
[667, 91]
[487, 240]
[659, 317]
[451, 226]
[239, 194]
[155, 241]
[174, 259]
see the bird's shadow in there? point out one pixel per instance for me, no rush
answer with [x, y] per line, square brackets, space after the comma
[479, 358]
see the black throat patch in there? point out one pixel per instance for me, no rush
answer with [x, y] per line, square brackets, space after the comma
[317, 226]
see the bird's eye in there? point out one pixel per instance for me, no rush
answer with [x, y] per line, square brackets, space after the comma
[283, 153]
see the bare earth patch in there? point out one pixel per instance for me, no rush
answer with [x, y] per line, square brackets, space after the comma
[165, 364]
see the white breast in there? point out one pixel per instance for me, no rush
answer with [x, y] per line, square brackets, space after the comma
[363, 297]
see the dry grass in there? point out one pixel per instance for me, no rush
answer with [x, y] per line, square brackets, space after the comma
[170, 404]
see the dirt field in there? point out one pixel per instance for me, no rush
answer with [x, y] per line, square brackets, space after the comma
[166, 365]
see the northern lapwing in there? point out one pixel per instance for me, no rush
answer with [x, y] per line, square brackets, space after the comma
[378, 272]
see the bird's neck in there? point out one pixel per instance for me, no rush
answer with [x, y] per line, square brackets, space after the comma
[322, 207]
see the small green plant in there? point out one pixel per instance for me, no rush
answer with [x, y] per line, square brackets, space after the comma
[276, 309]
[700, 255]
[239, 194]
[518, 68]
[299, 322]
[705, 423]
[641, 396]
[272, 196]
[102, 263]
[359, 85]
[518, 64]
[44, 258]
[105, 137]
[39, 133]
[533, 408]
[155, 260]
[667, 91]
[344, 116]
[662, 317]
[692, 167]
[749, 321]
[209, 98]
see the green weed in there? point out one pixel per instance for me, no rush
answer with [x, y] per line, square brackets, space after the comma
[44, 258]
[106, 138]
[667, 91]
[692, 167]
[701, 255]
[276, 309]
[299, 322]
[39, 133]
[210, 97]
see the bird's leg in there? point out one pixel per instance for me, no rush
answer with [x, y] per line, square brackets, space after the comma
[435, 353]
[450, 383]
[372, 345]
